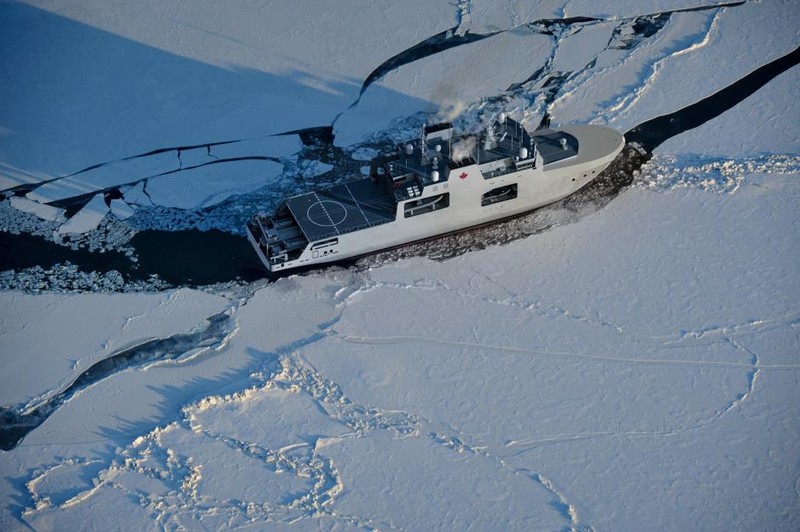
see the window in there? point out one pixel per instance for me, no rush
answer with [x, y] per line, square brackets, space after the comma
[421, 206]
[496, 195]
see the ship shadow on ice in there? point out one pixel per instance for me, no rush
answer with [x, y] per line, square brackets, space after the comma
[185, 104]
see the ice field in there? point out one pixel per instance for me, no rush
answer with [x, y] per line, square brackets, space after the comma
[624, 360]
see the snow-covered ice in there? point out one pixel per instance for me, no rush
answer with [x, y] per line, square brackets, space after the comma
[552, 382]
[632, 367]
[41, 358]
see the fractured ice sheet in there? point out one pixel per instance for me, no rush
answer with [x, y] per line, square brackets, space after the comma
[628, 8]
[581, 352]
[734, 470]
[184, 178]
[634, 365]
[671, 69]
[552, 378]
[105, 176]
[463, 74]
[277, 146]
[580, 48]
[120, 209]
[11, 177]
[621, 76]
[596, 69]
[489, 15]
[137, 195]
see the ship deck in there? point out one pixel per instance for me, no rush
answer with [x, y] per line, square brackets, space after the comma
[341, 209]
[510, 137]
[548, 143]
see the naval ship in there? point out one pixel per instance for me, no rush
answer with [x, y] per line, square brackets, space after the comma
[436, 184]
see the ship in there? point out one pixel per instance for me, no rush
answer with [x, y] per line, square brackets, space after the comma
[436, 184]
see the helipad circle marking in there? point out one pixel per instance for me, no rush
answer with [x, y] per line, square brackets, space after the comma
[326, 213]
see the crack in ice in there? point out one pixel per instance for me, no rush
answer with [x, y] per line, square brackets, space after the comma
[16, 423]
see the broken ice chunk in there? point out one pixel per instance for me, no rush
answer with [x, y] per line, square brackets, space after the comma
[44, 212]
[121, 210]
[86, 219]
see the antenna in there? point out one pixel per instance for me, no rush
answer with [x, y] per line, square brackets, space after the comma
[450, 144]
[422, 147]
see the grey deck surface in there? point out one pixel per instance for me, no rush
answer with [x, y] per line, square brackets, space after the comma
[548, 144]
[342, 209]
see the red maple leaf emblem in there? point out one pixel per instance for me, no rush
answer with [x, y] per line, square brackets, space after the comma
[463, 175]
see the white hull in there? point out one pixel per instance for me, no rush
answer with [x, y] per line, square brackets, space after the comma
[532, 188]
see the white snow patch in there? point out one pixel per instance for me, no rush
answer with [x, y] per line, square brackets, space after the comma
[191, 75]
[364, 154]
[579, 49]
[315, 168]
[477, 491]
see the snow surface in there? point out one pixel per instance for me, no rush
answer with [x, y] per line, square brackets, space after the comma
[551, 382]
[761, 125]
[632, 367]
